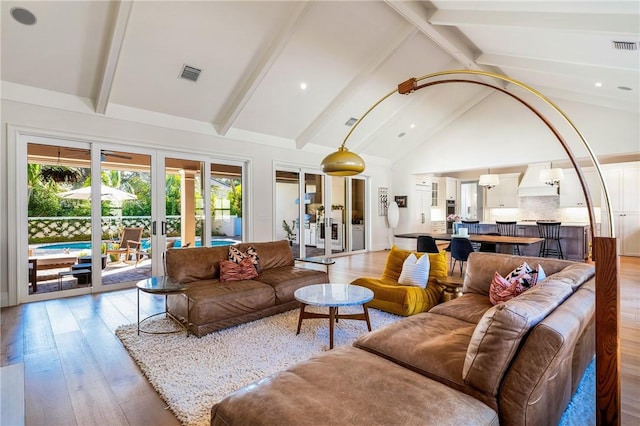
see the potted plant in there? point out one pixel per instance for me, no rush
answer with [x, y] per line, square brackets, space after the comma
[291, 235]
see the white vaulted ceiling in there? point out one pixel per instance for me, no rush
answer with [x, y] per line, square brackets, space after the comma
[123, 60]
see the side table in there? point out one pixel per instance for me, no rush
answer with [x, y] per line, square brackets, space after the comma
[319, 260]
[162, 285]
[453, 287]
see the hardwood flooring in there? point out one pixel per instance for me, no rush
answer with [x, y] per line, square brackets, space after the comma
[78, 373]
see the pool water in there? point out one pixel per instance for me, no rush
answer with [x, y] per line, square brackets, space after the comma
[145, 245]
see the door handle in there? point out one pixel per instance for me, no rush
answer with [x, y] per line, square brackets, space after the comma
[422, 214]
[163, 229]
[153, 227]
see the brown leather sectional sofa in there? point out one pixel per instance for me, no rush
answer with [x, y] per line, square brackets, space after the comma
[465, 362]
[215, 304]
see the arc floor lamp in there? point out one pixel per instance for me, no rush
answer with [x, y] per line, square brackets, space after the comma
[346, 163]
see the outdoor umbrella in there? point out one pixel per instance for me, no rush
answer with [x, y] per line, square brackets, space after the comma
[107, 193]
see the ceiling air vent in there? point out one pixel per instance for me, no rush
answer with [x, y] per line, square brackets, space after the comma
[350, 122]
[625, 45]
[190, 73]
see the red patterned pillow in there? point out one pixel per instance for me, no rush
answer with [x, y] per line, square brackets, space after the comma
[231, 271]
[237, 256]
[517, 282]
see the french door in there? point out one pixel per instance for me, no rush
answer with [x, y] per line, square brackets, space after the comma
[320, 215]
[97, 216]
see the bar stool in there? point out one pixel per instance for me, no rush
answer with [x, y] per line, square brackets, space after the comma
[551, 246]
[473, 226]
[509, 229]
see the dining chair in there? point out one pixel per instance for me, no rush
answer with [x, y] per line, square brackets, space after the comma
[461, 248]
[509, 229]
[426, 244]
[551, 246]
[489, 247]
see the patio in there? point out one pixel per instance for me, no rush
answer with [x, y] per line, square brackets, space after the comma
[50, 278]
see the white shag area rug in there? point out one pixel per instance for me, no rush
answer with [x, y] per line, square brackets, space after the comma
[192, 374]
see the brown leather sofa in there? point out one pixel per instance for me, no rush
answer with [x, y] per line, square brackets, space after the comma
[215, 304]
[463, 362]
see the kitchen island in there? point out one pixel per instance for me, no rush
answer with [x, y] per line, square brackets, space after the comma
[574, 237]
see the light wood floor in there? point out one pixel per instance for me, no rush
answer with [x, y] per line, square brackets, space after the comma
[77, 372]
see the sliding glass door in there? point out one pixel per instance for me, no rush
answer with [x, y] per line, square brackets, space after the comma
[100, 216]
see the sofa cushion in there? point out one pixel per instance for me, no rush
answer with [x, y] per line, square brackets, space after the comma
[194, 264]
[469, 307]
[286, 280]
[430, 344]
[497, 336]
[482, 266]
[349, 386]
[415, 271]
[212, 301]
[575, 275]
[242, 270]
[273, 254]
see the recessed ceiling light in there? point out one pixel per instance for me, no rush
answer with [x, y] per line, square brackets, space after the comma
[624, 88]
[23, 16]
[303, 86]
[413, 126]
[598, 84]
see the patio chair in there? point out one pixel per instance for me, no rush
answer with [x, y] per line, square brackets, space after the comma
[130, 244]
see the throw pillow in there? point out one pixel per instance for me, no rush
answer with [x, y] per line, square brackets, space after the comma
[232, 271]
[237, 256]
[415, 271]
[515, 283]
[541, 275]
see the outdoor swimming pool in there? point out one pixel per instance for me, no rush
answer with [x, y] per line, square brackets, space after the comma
[146, 243]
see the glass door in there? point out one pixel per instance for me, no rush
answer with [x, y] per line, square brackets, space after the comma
[58, 217]
[184, 208]
[358, 214]
[226, 183]
[126, 251]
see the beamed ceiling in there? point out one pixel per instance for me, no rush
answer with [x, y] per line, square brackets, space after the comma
[124, 60]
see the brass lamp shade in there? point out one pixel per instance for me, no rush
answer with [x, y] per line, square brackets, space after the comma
[343, 163]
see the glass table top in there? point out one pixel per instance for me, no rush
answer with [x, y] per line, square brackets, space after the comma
[333, 295]
[163, 284]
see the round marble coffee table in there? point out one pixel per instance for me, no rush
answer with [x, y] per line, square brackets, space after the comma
[333, 296]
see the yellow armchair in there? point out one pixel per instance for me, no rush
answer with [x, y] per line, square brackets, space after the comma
[405, 300]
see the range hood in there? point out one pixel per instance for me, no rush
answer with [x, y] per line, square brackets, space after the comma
[530, 185]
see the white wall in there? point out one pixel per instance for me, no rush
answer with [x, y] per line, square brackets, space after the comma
[498, 132]
[261, 210]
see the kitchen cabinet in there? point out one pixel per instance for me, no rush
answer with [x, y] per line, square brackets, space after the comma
[451, 188]
[505, 194]
[357, 237]
[571, 194]
[628, 233]
[438, 227]
[423, 208]
[623, 181]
